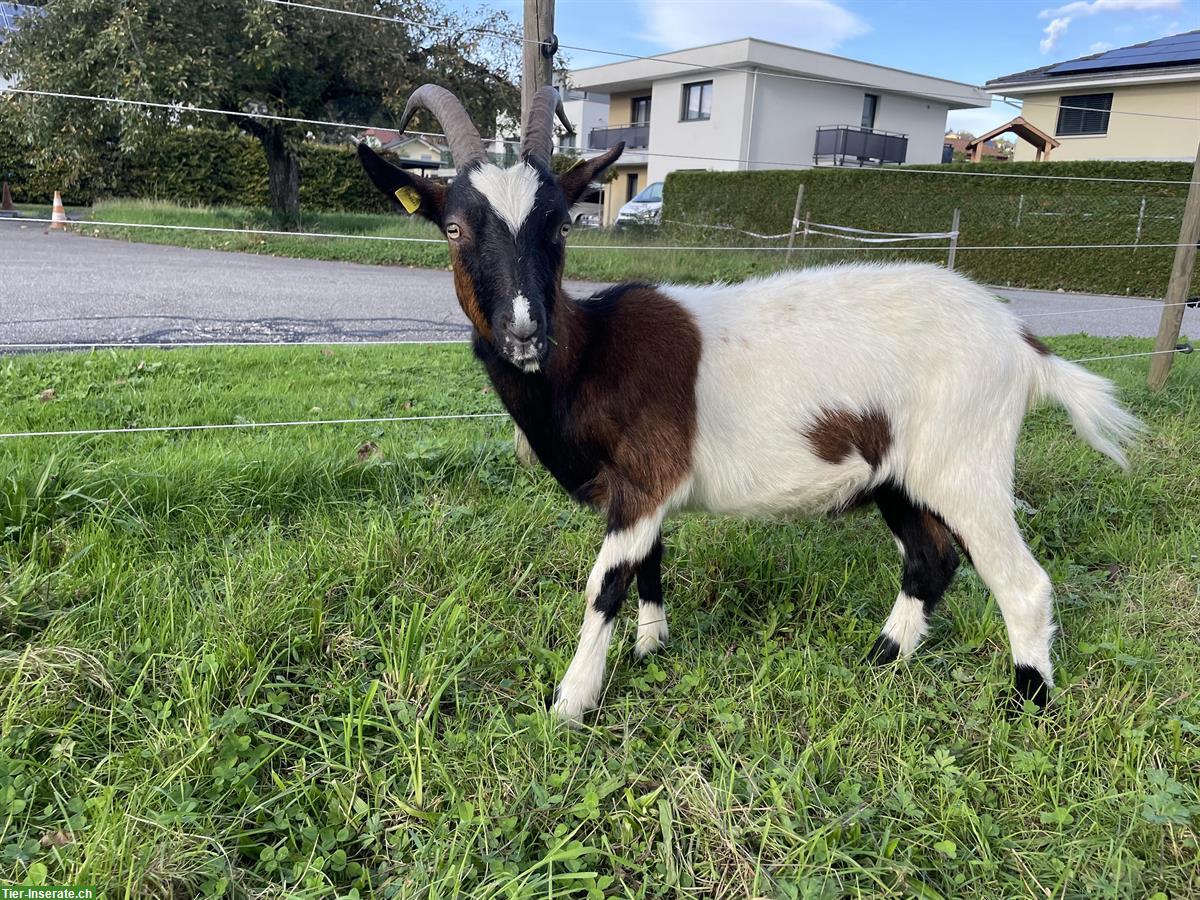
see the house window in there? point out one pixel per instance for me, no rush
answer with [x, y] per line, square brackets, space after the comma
[697, 101]
[567, 142]
[870, 104]
[630, 186]
[1084, 114]
[639, 112]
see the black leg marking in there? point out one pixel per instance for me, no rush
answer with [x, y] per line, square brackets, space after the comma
[652, 614]
[612, 591]
[884, 651]
[930, 562]
[649, 576]
[930, 559]
[1031, 686]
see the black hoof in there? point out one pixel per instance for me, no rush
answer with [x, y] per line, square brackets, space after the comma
[884, 651]
[1030, 686]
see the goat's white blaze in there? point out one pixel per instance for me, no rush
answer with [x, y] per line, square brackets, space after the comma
[511, 192]
[906, 625]
[522, 315]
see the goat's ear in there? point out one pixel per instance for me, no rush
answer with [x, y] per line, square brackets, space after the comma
[416, 193]
[574, 182]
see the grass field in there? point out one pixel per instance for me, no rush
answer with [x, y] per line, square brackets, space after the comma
[313, 662]
[617, 259]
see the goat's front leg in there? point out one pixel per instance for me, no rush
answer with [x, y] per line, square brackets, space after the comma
[625, 548]
[652, 613]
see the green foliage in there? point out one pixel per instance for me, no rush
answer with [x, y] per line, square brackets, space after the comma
[265, 664]
[237, 56]
[994, 212]
[198, 166]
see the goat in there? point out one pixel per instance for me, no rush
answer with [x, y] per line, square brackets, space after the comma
[803, 392]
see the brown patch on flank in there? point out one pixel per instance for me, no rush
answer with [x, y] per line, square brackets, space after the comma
[1033, 341]
[835, 433]
[465, 289]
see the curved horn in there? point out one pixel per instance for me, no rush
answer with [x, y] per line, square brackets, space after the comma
[465, 144]
[538, 140]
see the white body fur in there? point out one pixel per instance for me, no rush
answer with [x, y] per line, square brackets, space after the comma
[938, 355]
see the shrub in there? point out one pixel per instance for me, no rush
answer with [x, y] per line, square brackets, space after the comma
[995, 211]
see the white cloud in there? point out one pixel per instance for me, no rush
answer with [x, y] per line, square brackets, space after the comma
[1061, 16]
[812, 24]
[1099, 47]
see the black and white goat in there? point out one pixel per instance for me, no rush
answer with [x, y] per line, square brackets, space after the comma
[803, 392]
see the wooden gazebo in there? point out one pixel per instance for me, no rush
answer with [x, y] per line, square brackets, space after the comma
[1041, 141]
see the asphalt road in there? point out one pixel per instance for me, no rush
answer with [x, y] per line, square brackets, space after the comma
[67, 288]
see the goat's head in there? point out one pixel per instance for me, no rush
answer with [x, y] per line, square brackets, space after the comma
[507, 228]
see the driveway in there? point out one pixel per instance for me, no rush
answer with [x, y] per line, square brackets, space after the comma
[67, 288]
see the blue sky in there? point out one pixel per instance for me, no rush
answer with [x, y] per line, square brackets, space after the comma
[964, 40]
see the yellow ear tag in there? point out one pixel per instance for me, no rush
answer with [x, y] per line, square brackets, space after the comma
[409, 198]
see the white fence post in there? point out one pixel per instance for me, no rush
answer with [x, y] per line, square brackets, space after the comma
[953, 240]
[1137, 235]
[795, 222]
[1020, 208]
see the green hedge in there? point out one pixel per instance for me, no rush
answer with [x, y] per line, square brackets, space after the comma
[994, 212]
[200, 166]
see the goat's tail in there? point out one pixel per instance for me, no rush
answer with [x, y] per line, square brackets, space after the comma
[1091, 403]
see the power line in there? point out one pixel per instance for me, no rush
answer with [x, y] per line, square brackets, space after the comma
[245, 426]
[702, 247]
[236, 426]
[183, 107]
[1152, 306]
[175, 345]
[640, 247]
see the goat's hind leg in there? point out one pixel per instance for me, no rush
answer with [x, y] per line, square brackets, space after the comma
[980, 512]
[930, 561]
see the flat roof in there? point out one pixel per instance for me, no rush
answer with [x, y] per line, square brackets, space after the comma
[749, 53]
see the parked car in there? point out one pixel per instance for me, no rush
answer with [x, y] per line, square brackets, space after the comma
[645, 208]
[586, 213]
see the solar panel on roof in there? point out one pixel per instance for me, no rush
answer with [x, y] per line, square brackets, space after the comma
[1177, 49]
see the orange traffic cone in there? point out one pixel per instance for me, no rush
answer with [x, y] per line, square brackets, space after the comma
[58, 218]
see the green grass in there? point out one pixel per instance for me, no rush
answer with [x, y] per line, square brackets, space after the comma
[619, 257]
[250, 664]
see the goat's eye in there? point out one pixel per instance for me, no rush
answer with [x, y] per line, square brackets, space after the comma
[453, 232]
[565, 229]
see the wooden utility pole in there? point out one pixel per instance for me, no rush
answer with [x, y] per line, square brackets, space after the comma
[537, 70]
[537, 67]
[1179, 286]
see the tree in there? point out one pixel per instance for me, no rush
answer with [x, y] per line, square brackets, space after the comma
[248, 56]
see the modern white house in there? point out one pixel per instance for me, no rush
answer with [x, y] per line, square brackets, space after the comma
[10, 15]
[754, 104]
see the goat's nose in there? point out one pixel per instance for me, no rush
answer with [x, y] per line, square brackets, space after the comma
[522, 328]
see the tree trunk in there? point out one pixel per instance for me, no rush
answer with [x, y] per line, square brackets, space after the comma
[283, 176]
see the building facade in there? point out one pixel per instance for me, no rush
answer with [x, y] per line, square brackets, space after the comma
[752, 104]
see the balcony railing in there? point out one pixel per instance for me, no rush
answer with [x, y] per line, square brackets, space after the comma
[636, 137]
[847, 145]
